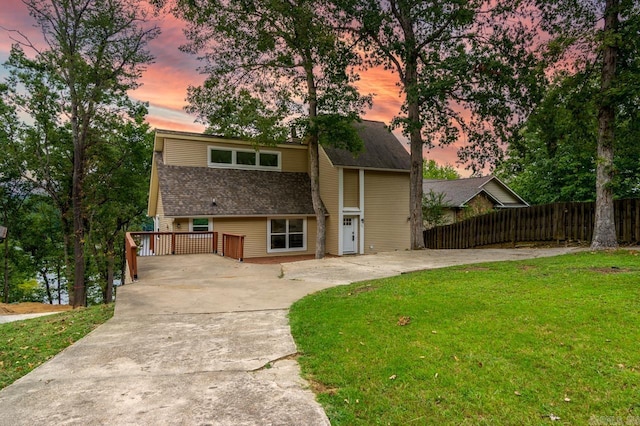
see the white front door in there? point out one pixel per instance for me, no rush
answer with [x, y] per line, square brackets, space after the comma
[349, 237]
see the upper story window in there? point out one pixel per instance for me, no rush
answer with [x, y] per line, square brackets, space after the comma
[237, 158]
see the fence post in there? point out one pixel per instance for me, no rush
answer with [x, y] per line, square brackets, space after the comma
[173, 243]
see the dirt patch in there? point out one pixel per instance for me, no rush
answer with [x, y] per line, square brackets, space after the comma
[611, 270]
[364, 289]
[321, 388]
[527, 267]
[476, 268]
[31, 308]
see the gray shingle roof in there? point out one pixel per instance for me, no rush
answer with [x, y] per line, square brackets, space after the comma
[457, 191]
[188, 191]
[382, 150]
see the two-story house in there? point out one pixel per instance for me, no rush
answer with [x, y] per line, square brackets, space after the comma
[202, 182]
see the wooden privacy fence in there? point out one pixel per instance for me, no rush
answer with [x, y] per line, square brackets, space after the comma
[549, 222]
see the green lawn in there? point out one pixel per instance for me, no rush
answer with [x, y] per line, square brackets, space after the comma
[24, 345]
[508, 343]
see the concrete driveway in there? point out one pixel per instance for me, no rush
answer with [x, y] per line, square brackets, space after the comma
[202, 340]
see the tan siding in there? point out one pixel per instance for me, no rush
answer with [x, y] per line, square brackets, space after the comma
[293, 160]
[181, 225]
[179, 152]
[329, 195]
[165, 223]
[255, 232]
[386, 211]
[351, 189]
[499, 192]
[190, 153]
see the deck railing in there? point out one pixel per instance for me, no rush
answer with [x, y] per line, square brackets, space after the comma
[233, 246]
[166, 243]
[131, 254]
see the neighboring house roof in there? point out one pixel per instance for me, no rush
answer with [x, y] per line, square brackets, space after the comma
[382, 150]
[460, 191]
[189, 191]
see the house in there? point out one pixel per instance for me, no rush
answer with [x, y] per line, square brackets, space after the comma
[210, 183]
[469, 197]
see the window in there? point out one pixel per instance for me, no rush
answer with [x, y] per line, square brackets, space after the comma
[246, 158]
[286, 235]
[268, 159]
[220, 156]
[199, 224]
[243, 158]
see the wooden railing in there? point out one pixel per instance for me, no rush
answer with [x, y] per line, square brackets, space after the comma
[165, 243]
[131, 254]
[233, 246]
[549, 222]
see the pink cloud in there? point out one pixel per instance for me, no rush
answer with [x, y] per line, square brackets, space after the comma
[165, 82]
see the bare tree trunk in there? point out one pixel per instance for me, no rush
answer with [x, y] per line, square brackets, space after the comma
[59, 277]
[67, 231]
[314, 163]
[6, 268]
[604, 233]
[415, 186]
[79, 296]
[410, 83]
[108, 292]
[47, 285]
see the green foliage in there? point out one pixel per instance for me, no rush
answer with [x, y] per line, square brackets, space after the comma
[432, 170]
[267, 62]
[27, 344]
[434, 208]
[465, 68]
[80, 141]
[555, 157]
[497, 343]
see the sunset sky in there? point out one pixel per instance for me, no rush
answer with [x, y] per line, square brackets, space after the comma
[164, 84]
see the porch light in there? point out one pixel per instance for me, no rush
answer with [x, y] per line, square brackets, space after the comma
[213, 202]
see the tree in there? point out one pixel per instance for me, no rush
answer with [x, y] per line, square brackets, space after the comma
[601, 36]
[13, 189]
[95, 52]
[451, 58]
[555, 159]
[432, 170]
[117, 193]
[272, 64]
[434, 209]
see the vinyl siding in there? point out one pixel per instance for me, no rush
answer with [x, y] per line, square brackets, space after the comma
[499, 192]
[329, 195]
[165, 224]
[386, 203]
[351, 188]
[255, 232]
[181, 152]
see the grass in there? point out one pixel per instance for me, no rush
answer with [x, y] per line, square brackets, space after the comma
[510, 343]
[24, 345]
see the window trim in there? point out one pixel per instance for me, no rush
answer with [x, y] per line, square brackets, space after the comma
[209, 224]
[234, 162]
[285, 250]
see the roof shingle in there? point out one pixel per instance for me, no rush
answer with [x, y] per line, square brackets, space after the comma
[189, 191]
[382, 150]
[457, 191]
